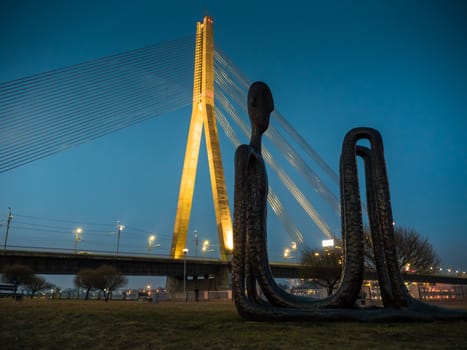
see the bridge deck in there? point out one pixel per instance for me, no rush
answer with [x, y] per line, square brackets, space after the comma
[67, 263]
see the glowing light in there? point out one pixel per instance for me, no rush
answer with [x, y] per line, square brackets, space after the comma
[327, 243]
[205, 246]
[229, 240]
[78, 231]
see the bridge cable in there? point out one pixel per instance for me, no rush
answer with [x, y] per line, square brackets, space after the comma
[53, 111]
[273, 200]
[285, 179]
[286, 149]
[245, 83]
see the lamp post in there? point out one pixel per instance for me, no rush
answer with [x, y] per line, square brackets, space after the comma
[77, 232]
[205, 247]
[185, 252]
[196, 242]
[7, 228]
[293, 245]
[119, 231]
[287, 254]
[152, 242]
[291, 253]
[148, 290]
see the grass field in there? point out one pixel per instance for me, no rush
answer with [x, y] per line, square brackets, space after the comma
[65, 324]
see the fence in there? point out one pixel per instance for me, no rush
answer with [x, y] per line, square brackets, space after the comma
[202, 295]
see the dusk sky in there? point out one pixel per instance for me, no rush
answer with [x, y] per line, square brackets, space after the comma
[397, 66]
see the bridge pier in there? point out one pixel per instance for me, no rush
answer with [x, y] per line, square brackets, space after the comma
[198, 285]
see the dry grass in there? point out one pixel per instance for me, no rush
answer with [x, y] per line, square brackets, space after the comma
[64, 324]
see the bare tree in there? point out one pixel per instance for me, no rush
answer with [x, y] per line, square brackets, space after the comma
[37, 284]
[17, 275]
[86, 279]
[414, 252]
[108, 278]
[324, 266]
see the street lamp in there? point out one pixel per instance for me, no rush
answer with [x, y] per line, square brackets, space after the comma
[7, 228]
[77, 232]
[120, 228]
[293, 245]
[152, 242]
[196, 242]
[286, 253]
[205, 247]
[185, 252]
[290, 253]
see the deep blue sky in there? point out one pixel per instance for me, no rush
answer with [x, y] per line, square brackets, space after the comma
[397, 66]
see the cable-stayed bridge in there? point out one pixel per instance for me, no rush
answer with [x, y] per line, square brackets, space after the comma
[52, 112]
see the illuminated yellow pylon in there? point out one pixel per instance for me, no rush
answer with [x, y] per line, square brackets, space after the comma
[203, 113]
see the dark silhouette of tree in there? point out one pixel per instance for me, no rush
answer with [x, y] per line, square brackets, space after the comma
[86, 279]
[108, 278]
[37, 284]
[323, 266]
[17, 275]
[415, 253]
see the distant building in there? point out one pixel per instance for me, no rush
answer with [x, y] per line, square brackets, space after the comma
[309, 288]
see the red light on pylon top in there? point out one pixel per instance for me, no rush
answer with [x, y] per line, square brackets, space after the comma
[209, 20]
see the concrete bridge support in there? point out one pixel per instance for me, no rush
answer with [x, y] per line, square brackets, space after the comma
[199, 284]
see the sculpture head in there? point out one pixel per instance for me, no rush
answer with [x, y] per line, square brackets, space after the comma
[260, 106]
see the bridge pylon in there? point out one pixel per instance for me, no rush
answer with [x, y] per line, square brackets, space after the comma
[203, 115]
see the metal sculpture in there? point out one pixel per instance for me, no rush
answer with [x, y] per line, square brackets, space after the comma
[250, 264]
